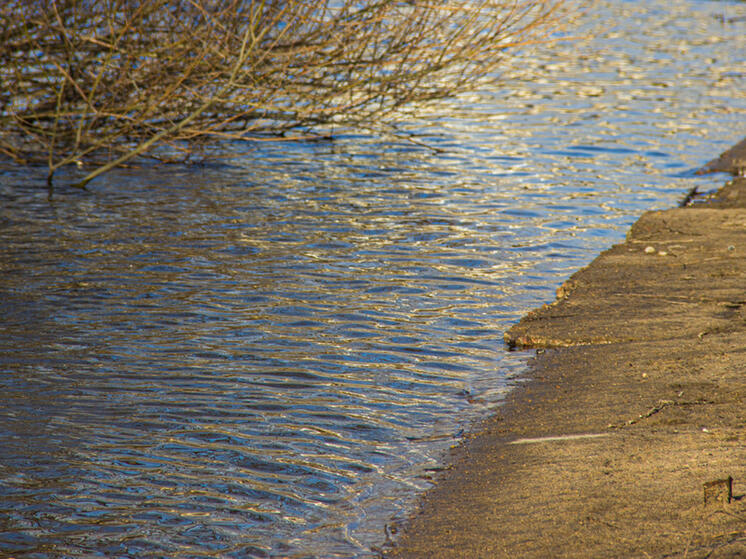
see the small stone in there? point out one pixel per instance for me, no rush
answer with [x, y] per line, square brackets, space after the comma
[649, 250]
[644, 375]
[731, 247]
[662, 253]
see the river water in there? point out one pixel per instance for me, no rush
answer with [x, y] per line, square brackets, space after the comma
[266, 357]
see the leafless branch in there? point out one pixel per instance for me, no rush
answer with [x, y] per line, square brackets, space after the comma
[103, 82]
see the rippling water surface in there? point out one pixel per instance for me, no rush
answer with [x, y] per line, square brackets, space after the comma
[268, 357]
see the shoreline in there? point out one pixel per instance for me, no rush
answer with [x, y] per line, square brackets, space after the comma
[634, 402]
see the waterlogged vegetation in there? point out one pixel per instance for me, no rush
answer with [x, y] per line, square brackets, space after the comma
[98, 83]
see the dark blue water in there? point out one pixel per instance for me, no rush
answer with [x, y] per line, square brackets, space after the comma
[268, 356]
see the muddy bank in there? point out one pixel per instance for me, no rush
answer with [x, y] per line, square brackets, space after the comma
[636, 399]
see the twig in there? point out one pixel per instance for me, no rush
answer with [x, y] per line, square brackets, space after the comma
[662, 404]
[110, 81]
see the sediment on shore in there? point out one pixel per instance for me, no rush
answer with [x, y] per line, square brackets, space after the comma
[634, 406]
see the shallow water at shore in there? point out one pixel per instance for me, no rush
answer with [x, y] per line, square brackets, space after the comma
[267, 357]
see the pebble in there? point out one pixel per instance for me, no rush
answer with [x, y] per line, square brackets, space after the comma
[649, 250]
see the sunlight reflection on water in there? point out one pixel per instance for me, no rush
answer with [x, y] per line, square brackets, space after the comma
[268, 358]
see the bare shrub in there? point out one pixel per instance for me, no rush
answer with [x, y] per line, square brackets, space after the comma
[100, 82]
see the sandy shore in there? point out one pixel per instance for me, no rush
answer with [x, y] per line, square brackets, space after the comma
[635, 402]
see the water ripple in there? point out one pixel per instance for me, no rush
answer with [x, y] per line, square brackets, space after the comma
[268, 358]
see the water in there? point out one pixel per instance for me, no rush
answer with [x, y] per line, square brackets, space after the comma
[267, 358]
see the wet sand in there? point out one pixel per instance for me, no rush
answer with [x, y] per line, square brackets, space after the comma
[635, 400]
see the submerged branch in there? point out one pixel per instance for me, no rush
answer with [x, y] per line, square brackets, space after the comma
[110, 81]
